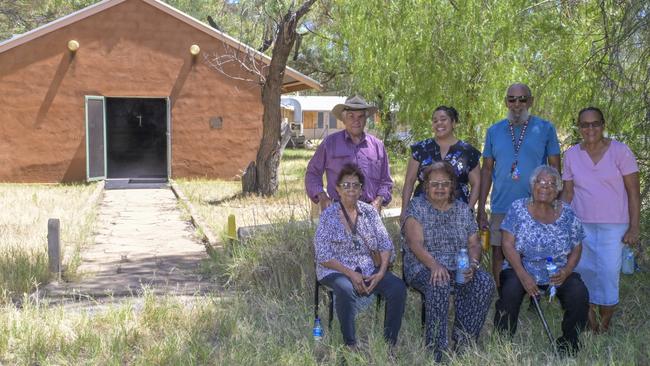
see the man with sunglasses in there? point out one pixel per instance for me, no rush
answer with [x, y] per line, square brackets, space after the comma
[514, 147]
[351, 145]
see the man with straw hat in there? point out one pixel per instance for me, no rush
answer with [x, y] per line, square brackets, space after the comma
[351, 145]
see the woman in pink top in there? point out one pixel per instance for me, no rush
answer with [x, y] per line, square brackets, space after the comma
[601, 181]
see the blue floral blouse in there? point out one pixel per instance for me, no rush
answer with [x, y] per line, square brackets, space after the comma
[461, 155]
[334, 241]
[535, 241]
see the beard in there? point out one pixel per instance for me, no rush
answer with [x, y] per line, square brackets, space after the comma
[515, 120]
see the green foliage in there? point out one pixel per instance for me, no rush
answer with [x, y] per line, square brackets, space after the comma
[417, 54]
[19, 16]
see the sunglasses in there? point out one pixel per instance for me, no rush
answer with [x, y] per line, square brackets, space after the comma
[586, 125]
[350, 185]
[521, 99]
[439, 183]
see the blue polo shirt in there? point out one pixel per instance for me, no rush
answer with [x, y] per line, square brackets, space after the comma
[539, 143]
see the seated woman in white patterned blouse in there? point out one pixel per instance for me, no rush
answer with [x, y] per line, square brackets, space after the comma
[353, 251]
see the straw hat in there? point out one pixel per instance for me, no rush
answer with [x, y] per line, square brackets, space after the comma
[355, 103]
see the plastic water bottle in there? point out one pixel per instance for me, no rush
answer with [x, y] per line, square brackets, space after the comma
[551, 269]
[318, 330]
[462, 265]
[628, 260]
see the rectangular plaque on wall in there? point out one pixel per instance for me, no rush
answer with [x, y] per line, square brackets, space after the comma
[216, 122]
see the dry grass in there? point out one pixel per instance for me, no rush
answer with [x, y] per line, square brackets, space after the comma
[23, 229]
[215, 200]
[269, 318]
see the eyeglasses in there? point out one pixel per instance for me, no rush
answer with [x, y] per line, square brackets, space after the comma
[521, 99]
[545, 183]
[585, 125]
[439, 183]
[350, 185]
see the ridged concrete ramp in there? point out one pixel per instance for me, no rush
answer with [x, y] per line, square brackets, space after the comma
[141, 241]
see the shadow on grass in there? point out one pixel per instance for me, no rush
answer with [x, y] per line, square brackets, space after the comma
[234, 197]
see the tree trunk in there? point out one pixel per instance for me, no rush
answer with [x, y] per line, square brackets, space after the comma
[269, 153]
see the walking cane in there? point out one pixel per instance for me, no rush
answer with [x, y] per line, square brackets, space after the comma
[544, 323]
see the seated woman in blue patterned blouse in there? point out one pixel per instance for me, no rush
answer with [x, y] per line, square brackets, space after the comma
[353, 251]
[533, 230]
[437, 226]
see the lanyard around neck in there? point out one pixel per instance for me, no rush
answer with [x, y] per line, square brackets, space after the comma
[353, 227]
[517, 144]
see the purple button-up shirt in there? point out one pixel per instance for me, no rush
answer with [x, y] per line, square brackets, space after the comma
[337, 150]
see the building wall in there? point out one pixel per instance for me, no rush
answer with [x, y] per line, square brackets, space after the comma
[129, 50]
[309, 119]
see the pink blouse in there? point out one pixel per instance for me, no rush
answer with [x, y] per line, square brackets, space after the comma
[599, 192]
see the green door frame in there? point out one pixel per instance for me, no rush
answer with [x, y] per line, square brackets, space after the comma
[88, 147]
[169, 138]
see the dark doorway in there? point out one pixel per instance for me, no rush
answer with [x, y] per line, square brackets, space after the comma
[136, 138]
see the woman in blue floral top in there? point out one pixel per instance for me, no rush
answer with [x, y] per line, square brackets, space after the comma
[533, 230]
[353, 250]
[444, 146]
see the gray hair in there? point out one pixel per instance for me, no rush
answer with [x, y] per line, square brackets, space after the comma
[548, 170]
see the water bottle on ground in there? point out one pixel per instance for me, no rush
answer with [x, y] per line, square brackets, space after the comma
[462, 265]
[628, 260]
[318, 330]
[552, 269]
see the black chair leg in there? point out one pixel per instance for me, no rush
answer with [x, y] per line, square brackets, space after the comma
[330, 294]
[423, 311]
[316, 289]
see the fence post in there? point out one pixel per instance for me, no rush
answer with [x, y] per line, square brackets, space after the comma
[54, 245]
[232, 227]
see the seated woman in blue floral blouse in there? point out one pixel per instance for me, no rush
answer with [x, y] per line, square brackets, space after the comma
[353, 251]
[437, 226]
[533, 230]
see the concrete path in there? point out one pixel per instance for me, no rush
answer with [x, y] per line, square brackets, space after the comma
[141, 241]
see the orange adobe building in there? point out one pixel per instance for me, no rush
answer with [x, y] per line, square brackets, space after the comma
[124, 89]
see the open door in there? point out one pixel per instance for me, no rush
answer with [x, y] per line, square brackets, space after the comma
[95, 138]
